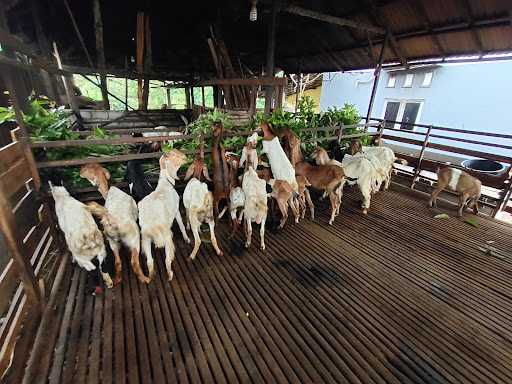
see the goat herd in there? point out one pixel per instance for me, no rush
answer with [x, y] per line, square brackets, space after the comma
[287, 174]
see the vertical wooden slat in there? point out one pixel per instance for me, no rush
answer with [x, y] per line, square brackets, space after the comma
[100, 51]
[271, 48]
[420, 157]
[377, 77]
[140, 40]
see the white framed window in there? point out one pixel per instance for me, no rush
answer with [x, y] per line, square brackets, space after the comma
[427, 79]
[408, 80]
[402, 113]
[391, 81]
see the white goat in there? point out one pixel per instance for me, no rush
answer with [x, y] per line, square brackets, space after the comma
[118, 218]
[255, 208]
[198, 202]
[358, 170]
[83, 237]
[382, 159]
[158, 210]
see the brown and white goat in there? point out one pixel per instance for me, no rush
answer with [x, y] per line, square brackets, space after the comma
[221, 172]
[118, 218]
[468, 187]
[283, 193]
[325, 178]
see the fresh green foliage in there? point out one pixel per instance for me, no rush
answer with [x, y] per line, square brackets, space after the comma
[157, 93]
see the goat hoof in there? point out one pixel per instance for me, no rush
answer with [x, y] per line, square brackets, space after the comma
[247, 245]
[220, 253]
[365, 211]
[170, 276]
[117, 281]
[144, 280]
[263, 247]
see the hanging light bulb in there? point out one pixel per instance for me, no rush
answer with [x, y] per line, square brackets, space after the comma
[253, 14]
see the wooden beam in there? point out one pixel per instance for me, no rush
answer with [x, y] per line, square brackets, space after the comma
[376, 78]
[333, 19]
[139, 60]
[271, 53]
[78, 34]
[68, 87]
[100, 51]
[275, 81]
[148, 60]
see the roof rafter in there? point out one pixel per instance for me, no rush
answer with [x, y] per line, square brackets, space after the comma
[380, 19]
[333, 19]
[466, 8]
[422, 13]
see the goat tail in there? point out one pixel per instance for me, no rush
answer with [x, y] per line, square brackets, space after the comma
[96, 209]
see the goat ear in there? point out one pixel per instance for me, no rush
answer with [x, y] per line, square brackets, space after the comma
[190, 171]
[205, 173]
[107, 173]
[162, 162]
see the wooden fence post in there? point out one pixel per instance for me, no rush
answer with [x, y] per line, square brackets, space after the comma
[26, 273]
[505, 196]
[340, 133]
[420, 157]
[202, 97]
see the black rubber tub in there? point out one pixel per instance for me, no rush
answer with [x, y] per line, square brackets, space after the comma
[489, 167]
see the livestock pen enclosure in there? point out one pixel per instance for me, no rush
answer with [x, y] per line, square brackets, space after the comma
[405, 294]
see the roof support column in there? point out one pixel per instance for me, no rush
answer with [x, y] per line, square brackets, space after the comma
[271, 48]
[376, 77]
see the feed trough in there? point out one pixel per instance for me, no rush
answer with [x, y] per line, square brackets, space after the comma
[489, 167]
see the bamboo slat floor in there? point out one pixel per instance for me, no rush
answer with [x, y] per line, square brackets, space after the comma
[393, 297]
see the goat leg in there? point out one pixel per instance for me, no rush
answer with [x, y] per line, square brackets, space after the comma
[334, 201]
[117, 266]
[182, 227]
[197, 239]
[248, 233]
[283, 207]
[213, 238]
[262, 233]
[106, 277]
[310, 203]
[169, 257]
[146, 249]
[136, 267]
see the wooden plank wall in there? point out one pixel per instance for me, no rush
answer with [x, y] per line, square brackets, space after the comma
[35, 239]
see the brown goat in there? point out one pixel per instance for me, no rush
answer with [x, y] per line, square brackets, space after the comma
[221, 171]
[198, 167]
[456, 180]
[291, 146]
[325, 178]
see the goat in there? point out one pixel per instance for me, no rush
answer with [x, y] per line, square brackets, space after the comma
[236, 195]
[457, 180]
[198, 167]
[158, 210]
[118, 218]
[249, 154]
[282, 168]
[305, 197]
[137, 183]
[255, 208]
[283, 193]
[83, 238]
[221, 172]
[324, 177]
[291, 146]
[381, 157]
[357, 170]
[198, 202]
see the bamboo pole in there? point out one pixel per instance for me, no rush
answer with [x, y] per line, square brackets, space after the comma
[140, 57]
